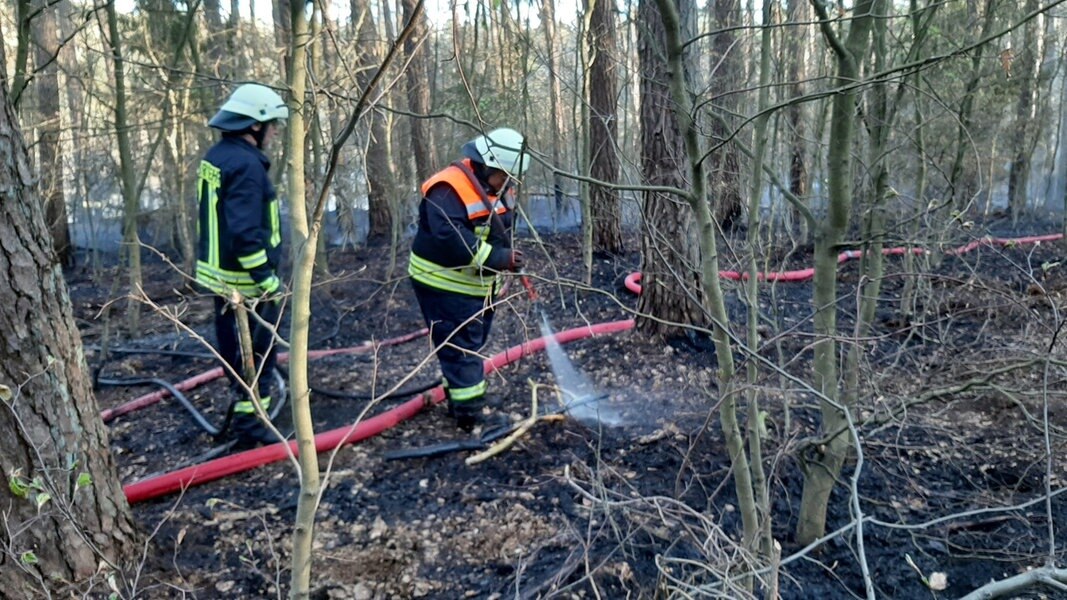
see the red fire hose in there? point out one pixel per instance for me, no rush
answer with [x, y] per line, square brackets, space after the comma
[632, 280]
[213, 374]
[168, 483]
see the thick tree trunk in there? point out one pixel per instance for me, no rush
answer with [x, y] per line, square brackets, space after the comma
[796, 57]
[724, 165]
[670, 250]
[50, 150]
[54, 442]
[418, 89]
[380, 186]
[603, 129]
[1026, 71]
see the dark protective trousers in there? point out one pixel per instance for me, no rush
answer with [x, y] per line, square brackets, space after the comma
[229, 340]
[459, 327]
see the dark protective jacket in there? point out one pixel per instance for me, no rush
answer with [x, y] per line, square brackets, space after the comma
[464, 234]
[239, 226]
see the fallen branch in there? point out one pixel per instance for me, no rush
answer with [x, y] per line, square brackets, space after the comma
[1048, 576]
[521, 430]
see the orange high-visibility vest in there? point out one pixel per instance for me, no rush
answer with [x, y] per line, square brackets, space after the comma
[468, 279]
[459, 176]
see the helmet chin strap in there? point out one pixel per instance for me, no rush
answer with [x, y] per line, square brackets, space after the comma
[259, 134]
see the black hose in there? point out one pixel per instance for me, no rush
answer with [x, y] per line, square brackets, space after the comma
[197, 416]
[478, 443]
[317, 390]
[487, 438]
[158, 351]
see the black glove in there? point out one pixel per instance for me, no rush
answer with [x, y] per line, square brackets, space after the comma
[517, 261]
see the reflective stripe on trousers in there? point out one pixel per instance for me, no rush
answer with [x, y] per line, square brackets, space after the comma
[458, 337]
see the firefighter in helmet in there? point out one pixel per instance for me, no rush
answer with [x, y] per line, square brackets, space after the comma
[239, 245]
[462, 245]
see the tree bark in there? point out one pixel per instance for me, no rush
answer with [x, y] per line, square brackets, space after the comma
[1025, 70]
[54, 441]
[724, 165]
[418, 90]
[548, 19]
[796, 56]
[821, 473]
[303, 246]
[378, 163]
[670, 252]
[131, 202]
[603, 129]
[50, 151]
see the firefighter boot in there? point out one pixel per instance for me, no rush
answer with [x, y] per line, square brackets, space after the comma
[467, 413]
[248, 431]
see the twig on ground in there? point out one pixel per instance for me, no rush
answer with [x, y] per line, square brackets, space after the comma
[507, 442]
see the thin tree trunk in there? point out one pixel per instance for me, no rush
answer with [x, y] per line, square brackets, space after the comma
[582, 114]
[23, 10]
[1063, 154]
[796, 57]
[314, 106]
[303, 251]
[548, 20]
[305, 232]
[667, 29]
[820, 475]
[755, 248]
[284, 13]
[131, 201]
[907, 295]
[880, 117]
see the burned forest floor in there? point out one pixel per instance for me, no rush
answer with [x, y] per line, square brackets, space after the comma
[956, 387]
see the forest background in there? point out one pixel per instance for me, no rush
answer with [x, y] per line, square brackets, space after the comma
[771, 128]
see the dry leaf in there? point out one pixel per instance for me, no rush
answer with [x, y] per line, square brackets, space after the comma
[938, 581]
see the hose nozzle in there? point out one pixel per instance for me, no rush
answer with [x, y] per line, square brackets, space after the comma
[530, 290]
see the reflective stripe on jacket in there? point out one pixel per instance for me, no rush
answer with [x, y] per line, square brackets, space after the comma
[239, 225]
[458, 234]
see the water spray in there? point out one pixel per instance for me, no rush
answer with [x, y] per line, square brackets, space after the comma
[578, 395]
